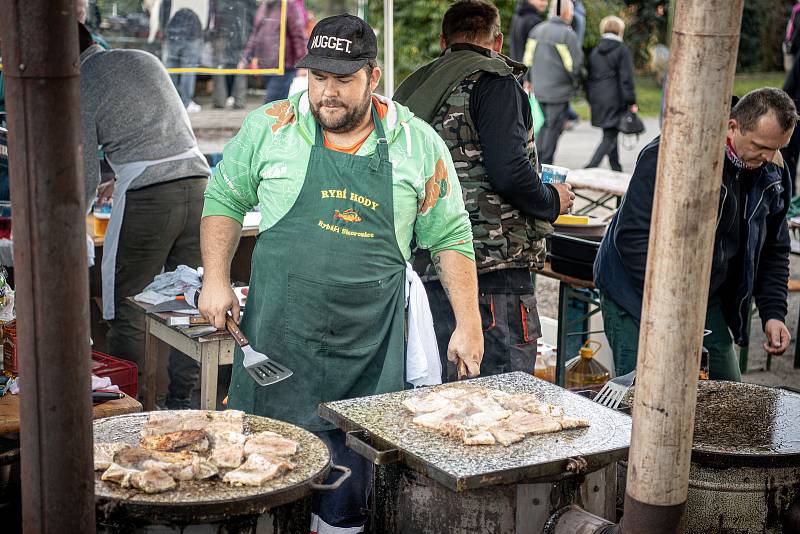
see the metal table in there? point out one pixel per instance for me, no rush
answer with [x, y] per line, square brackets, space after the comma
[611, 185]
[460, 467]
[209, 351]
[429, 483]
[570, 289]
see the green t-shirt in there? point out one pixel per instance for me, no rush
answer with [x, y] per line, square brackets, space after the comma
[265, 165]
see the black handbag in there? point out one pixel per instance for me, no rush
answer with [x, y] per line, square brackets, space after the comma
[630, 124]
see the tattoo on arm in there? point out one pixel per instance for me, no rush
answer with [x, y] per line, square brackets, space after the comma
[437, 265]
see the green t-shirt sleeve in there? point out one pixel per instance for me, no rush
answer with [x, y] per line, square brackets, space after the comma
[442, 221]
[233, 188]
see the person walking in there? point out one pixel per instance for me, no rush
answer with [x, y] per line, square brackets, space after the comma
[527, 15]
[555, 59]
[263, 47]
[610, 89]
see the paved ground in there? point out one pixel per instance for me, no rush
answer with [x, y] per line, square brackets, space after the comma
[214, 127]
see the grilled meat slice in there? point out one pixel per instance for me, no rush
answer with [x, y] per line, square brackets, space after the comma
[227, 421]
[119, 475]
[478, 437]
[269, 443]
[189, 440]
[104, 454]
[227, 449]
[152, 481]
[426, 403]
[257, 470]
[573, 422]
[168, 422]
[182, 465]
[505, 436]
[529, 423]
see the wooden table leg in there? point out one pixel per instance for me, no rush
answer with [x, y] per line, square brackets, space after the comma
[209, 369]
[150, 366]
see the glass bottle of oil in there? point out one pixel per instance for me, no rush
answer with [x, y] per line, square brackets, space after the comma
[586, 371]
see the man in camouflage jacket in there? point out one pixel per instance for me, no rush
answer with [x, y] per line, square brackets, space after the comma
[472, 98]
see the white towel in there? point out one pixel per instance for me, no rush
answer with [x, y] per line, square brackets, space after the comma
[423, 367]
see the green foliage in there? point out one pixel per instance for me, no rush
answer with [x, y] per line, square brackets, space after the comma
[763, 28]
[596, 10]
[417, 24]
[648, 91]
[646, 26]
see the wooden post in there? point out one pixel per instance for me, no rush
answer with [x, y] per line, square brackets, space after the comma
[40, 63]
[701, 69]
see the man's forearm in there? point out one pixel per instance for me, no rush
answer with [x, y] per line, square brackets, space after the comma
[460, 281]
[219, 236]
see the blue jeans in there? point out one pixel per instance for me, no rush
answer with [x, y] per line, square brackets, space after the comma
[348, 506]
[183, 54]
[278, 86]
[622, 331]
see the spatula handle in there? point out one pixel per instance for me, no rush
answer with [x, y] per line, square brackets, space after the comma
[235, 331]
[462, 369]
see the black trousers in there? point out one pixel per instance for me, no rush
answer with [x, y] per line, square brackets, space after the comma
[555, 115]
[160, 229]
[510, 322]
[607, 147]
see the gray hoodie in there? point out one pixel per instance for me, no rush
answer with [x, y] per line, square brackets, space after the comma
[131, 110]
[555, 59]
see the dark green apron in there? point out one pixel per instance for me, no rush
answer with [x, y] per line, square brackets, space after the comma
[327, 290]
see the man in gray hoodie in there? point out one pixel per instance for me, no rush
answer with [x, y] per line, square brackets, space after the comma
[555, 58]
[132, 112]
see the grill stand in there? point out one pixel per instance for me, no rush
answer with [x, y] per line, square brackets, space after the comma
[408, 502]
[292, 518]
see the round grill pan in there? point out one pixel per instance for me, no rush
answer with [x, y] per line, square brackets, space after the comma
[211, 500]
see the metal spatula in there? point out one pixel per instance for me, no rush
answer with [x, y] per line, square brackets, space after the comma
[612, 393]
[259, 366]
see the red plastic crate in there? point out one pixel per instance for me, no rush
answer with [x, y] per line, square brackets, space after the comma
[121, 372]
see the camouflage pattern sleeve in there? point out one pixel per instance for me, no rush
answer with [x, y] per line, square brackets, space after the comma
[232, 190]
[442, 222]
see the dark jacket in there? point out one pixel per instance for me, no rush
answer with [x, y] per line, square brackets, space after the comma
[555, 60]
[264, 41]
[751, 242]
[610, 89]
[525, 18]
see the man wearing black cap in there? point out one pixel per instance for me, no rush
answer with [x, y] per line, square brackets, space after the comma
[344, 179]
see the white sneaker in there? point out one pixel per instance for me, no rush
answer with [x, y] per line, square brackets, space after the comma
[193, 108]
[229, 101]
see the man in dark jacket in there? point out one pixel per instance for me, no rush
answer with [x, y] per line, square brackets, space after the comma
[610, 88]
[555, 57]
[751, 244]
[527, 15]
[472, 98]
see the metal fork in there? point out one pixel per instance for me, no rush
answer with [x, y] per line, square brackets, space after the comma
[613, 391]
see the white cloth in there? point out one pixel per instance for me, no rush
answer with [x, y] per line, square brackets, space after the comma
[89, 250]
[103, 383]
[125, 173]
[423, 367]
[318, 526]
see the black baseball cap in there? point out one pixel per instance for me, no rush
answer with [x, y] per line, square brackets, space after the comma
[341, 44]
